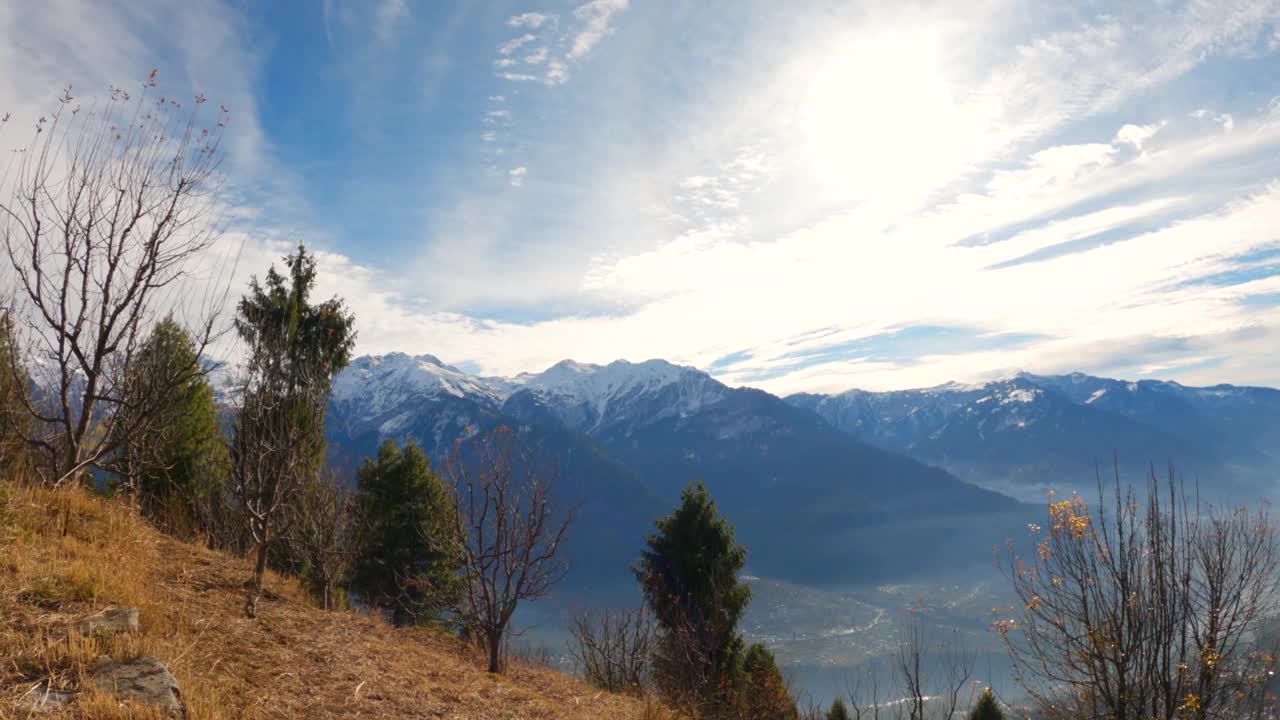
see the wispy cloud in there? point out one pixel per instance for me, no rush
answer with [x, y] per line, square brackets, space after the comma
[531, 20]
[536, 57]
[1224, 120]
[559, 47]
[596, 17]
[514, 44]
[879, 195]
[822, 192]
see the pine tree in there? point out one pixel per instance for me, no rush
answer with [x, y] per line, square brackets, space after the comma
[295, 348]
[298, 346]
[406, 561]
[838, 711]
[689, 578]
[986, 708]
[15, 420]
[176, 465]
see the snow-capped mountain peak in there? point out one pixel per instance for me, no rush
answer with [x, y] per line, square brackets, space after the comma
[584, 395]
[381, 381]
[588, 396]
[617, 376]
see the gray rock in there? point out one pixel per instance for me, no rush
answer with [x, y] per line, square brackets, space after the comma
[145, 680]
[111, 621]
[42, 699]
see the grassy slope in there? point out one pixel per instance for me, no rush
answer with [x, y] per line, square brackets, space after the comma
[294, 661]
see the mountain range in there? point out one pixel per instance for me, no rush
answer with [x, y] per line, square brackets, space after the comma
[837, 488]
[810, 501]
[1028, 433]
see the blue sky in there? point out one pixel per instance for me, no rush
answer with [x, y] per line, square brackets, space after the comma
[798, 196]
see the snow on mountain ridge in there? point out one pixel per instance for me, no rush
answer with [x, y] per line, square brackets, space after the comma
[596, 394]
[382, 382]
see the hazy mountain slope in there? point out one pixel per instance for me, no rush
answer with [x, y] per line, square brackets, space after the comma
[809, 500]
[1028, 432]
[1240, 423]
[372, 402]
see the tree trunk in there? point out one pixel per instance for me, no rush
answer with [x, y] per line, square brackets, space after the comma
[494, 639]
[259, 575]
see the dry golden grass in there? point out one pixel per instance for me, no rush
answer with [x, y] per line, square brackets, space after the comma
[65, 554]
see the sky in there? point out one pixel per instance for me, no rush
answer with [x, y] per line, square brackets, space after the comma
[798, 196]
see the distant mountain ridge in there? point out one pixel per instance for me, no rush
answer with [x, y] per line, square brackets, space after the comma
[856, 485]
[811, 501]
[1025, 433]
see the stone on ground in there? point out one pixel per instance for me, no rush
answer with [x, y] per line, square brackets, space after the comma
[145, 680]
[42, 699]
[111, 621]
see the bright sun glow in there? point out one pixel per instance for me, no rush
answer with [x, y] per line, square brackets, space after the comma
[868, 117]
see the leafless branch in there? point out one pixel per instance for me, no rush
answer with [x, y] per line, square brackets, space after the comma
[104, 212]
[510, 534]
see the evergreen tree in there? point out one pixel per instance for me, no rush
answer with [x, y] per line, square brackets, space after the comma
[176, 465]
[298, 347]
[764, 693]
[15, 420]
[406, 560]
[838, 711]
[689, 578]
[295, 348]
[986, 708]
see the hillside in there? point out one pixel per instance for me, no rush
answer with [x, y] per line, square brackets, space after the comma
[293, 661]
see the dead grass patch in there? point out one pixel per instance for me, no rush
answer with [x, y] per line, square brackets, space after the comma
[68, 553]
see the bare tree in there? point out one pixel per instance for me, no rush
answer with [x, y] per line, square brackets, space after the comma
[1146, 607]
[320, 535]
[910, 665]
[104, 213]
[863, 686]
[932, 671]
[685, 667]
[272, 457]
[613, 647]
[958, 659]
[509, 532]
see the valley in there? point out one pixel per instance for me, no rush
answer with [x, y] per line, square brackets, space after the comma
[855, 508]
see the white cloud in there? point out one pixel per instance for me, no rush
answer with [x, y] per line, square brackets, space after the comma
[1137, 135]
[557, 73]
[517, 77]
[803, 195]
[531, 20]
[800, 196]
[596, 16]
[537, 56]
[1224, 120]
[593, 22]
[514, 44]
